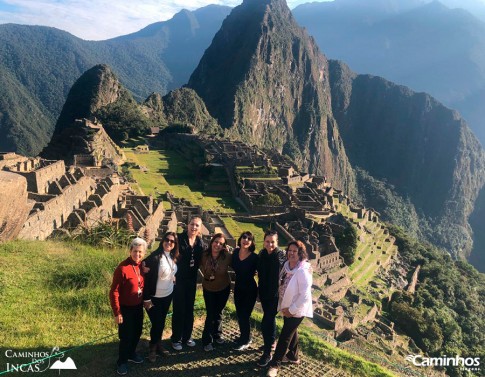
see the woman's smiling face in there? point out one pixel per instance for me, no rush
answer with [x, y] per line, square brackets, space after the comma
[292, 254]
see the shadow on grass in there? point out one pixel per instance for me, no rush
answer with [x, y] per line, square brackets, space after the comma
[100, 361]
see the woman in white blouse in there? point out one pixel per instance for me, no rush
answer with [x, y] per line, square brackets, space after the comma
[160, 268]
[295, 303]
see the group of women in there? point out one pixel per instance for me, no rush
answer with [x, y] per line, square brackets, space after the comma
[169, 276]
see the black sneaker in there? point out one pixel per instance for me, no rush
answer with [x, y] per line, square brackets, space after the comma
[122, 369]
[137, 359]
[264, 360]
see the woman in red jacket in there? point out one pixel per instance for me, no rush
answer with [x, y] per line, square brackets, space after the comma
[126, 297]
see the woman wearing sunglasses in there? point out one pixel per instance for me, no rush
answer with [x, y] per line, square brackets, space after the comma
[216, 288]
[244, 264]
[127, 303]
[160, 268]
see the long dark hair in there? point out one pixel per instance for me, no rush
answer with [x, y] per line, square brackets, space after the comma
[213, 239]
[248, 234]
[174, 253]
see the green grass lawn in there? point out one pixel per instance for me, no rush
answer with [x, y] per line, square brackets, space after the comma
[168, 171]
[55, 293]
[236, 228]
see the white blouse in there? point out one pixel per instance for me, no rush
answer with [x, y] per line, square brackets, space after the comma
[166, 276]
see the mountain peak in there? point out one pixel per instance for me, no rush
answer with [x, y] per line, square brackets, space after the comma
[266, 81]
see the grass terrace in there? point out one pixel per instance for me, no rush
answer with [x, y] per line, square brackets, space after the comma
[166, 170]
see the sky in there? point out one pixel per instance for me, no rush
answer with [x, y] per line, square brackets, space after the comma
[102, 19]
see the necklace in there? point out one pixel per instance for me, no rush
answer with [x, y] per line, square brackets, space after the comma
[139, 280]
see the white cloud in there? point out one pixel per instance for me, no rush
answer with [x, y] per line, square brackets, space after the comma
[99, 19]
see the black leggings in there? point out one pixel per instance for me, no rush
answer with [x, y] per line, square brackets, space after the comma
[129, 331]
[244, 301]
[158, 314]
[215, 302]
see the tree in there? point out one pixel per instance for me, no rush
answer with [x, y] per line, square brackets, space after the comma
[347, 243]
[269, 199]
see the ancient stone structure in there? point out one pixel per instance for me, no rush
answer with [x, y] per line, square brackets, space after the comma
[97, 148]
[10, 158]
[58, 198]
[14, 205]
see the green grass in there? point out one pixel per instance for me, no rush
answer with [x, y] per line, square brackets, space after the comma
[168, 171]
[236, 228]
[59, 287]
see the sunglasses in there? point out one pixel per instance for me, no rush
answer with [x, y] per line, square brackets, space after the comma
[169, 240]
[248, 238]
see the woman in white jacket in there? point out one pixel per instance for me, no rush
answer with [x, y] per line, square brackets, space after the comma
[295, 303]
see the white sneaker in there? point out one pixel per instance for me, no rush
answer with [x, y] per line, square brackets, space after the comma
[272, 372]
[209, 347]
[190, 342]
[177, 346]
[242, 347]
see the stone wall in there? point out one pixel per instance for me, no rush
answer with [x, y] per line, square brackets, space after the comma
[40, 173]
[14, 205]
[51, 215]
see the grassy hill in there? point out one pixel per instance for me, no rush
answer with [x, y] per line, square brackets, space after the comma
[56, 294]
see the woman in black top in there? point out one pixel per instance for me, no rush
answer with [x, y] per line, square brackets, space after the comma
[244, 263]
[191, 247]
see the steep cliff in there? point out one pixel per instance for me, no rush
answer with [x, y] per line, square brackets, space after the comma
[264, 79]
[423, 151]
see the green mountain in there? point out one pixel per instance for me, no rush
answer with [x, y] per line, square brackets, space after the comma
[265, 80]
[417, 148]
[184, 107]
[421, 44]
[24, 121]
[39, 65]
[98, 94]
[416, 161]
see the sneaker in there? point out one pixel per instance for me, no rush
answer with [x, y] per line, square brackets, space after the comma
[220, 340]
[122, 369]
[209, 347]
[242, 346]
[264, 360]
[272, 372]
[191, 342]
[286, 360]
[137, 359]
[177, 346]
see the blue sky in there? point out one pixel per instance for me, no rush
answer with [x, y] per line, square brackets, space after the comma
[101, 19]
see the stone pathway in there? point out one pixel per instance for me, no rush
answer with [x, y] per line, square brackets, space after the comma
[222, 362]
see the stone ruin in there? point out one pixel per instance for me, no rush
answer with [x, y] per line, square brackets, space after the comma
[48, 198]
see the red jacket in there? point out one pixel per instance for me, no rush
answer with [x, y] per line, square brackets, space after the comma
[127, 279]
